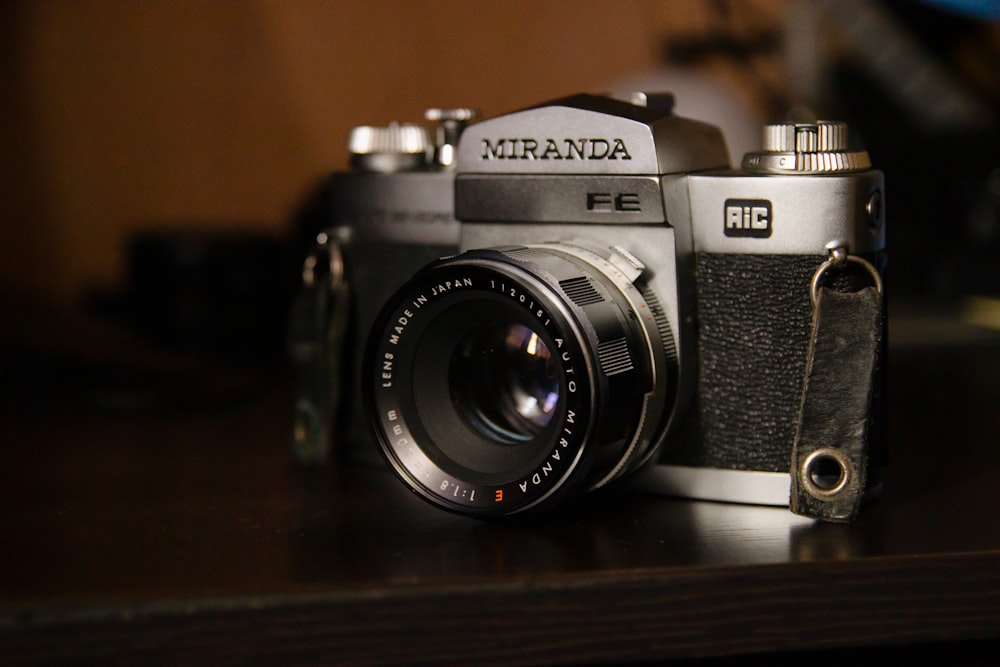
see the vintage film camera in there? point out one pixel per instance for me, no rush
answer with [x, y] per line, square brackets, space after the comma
[562, 296]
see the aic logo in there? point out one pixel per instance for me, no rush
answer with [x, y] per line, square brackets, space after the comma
[747, 217]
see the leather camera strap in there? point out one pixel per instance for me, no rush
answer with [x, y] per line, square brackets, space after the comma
[829, 463]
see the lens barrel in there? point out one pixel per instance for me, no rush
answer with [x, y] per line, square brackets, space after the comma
[510, 378]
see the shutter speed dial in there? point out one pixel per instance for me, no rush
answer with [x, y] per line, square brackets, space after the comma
[806, 148]
[407, 147]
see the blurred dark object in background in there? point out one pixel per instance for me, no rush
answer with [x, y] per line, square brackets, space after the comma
[56, 361]
[915, 89]
[220, 294]
[200, 325]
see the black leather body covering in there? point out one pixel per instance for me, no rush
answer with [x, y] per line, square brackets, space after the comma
[754, 318]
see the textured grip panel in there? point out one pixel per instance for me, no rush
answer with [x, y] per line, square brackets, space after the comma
[754, 317]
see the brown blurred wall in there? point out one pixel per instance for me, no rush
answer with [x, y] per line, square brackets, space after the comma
[121, 115]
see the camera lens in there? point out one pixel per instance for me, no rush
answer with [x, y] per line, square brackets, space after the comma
[504, 383]
[511, 378]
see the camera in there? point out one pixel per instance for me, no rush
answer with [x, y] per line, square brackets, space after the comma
[538, 304]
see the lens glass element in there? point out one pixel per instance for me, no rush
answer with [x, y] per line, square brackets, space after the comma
[504, 382]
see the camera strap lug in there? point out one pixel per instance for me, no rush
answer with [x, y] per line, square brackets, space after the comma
[316, 337]
[829, 463]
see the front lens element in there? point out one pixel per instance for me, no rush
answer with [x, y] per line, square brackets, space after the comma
[504, 383]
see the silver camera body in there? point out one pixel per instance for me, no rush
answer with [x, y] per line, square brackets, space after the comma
[581, 291]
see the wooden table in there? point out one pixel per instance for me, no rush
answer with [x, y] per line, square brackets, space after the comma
[186, 535]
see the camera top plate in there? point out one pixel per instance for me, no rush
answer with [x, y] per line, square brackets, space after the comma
[591, 135]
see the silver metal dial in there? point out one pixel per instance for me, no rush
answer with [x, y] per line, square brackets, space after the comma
[806, 148]
[395, 147]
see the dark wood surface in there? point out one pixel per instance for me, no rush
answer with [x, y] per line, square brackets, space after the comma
[181, 532]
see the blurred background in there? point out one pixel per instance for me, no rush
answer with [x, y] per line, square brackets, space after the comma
[158, 157]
